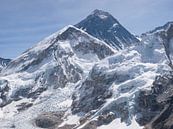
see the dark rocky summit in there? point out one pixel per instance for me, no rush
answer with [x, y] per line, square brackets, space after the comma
[104, 26]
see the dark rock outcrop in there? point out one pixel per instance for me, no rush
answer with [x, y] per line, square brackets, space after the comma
[49, 120]
[93, 91]
[155, 106]
[4, 63]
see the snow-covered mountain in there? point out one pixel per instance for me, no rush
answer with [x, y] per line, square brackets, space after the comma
[104, 26]
[68, 39]
[48, 73]
[57, 60]
[129, 86]
[72, 80]
[159, 99]
[3, 62]
[161, 38]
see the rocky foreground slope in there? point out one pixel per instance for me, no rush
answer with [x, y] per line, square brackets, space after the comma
[72, 80]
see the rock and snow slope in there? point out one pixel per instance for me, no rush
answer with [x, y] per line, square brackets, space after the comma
[161, 38]
[45, 75]
[71, 80]
[3, 63]
[57, 60]
[114, 84]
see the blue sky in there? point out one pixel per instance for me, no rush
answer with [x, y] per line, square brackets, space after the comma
[25, 22]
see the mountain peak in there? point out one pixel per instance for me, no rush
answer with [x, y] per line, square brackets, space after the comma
[168, 25]
[66, 28]
[101, 14]
[105, 27]
[165, 27]
[98, 11]
[68, 41]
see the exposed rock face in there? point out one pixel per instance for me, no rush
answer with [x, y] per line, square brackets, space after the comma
[91, 125]
[104, 26]
[147, 107]
[155, 106]
[4, 63]
[86, 43]
[49, 120]
[161, 37]
[4, 89]
[93, 91]
[167, 37]
[24, 106]
[164, 119]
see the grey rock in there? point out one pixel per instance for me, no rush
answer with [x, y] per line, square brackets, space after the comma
[4, 63]
[49, 120]
[23, 106]
[155, 106]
